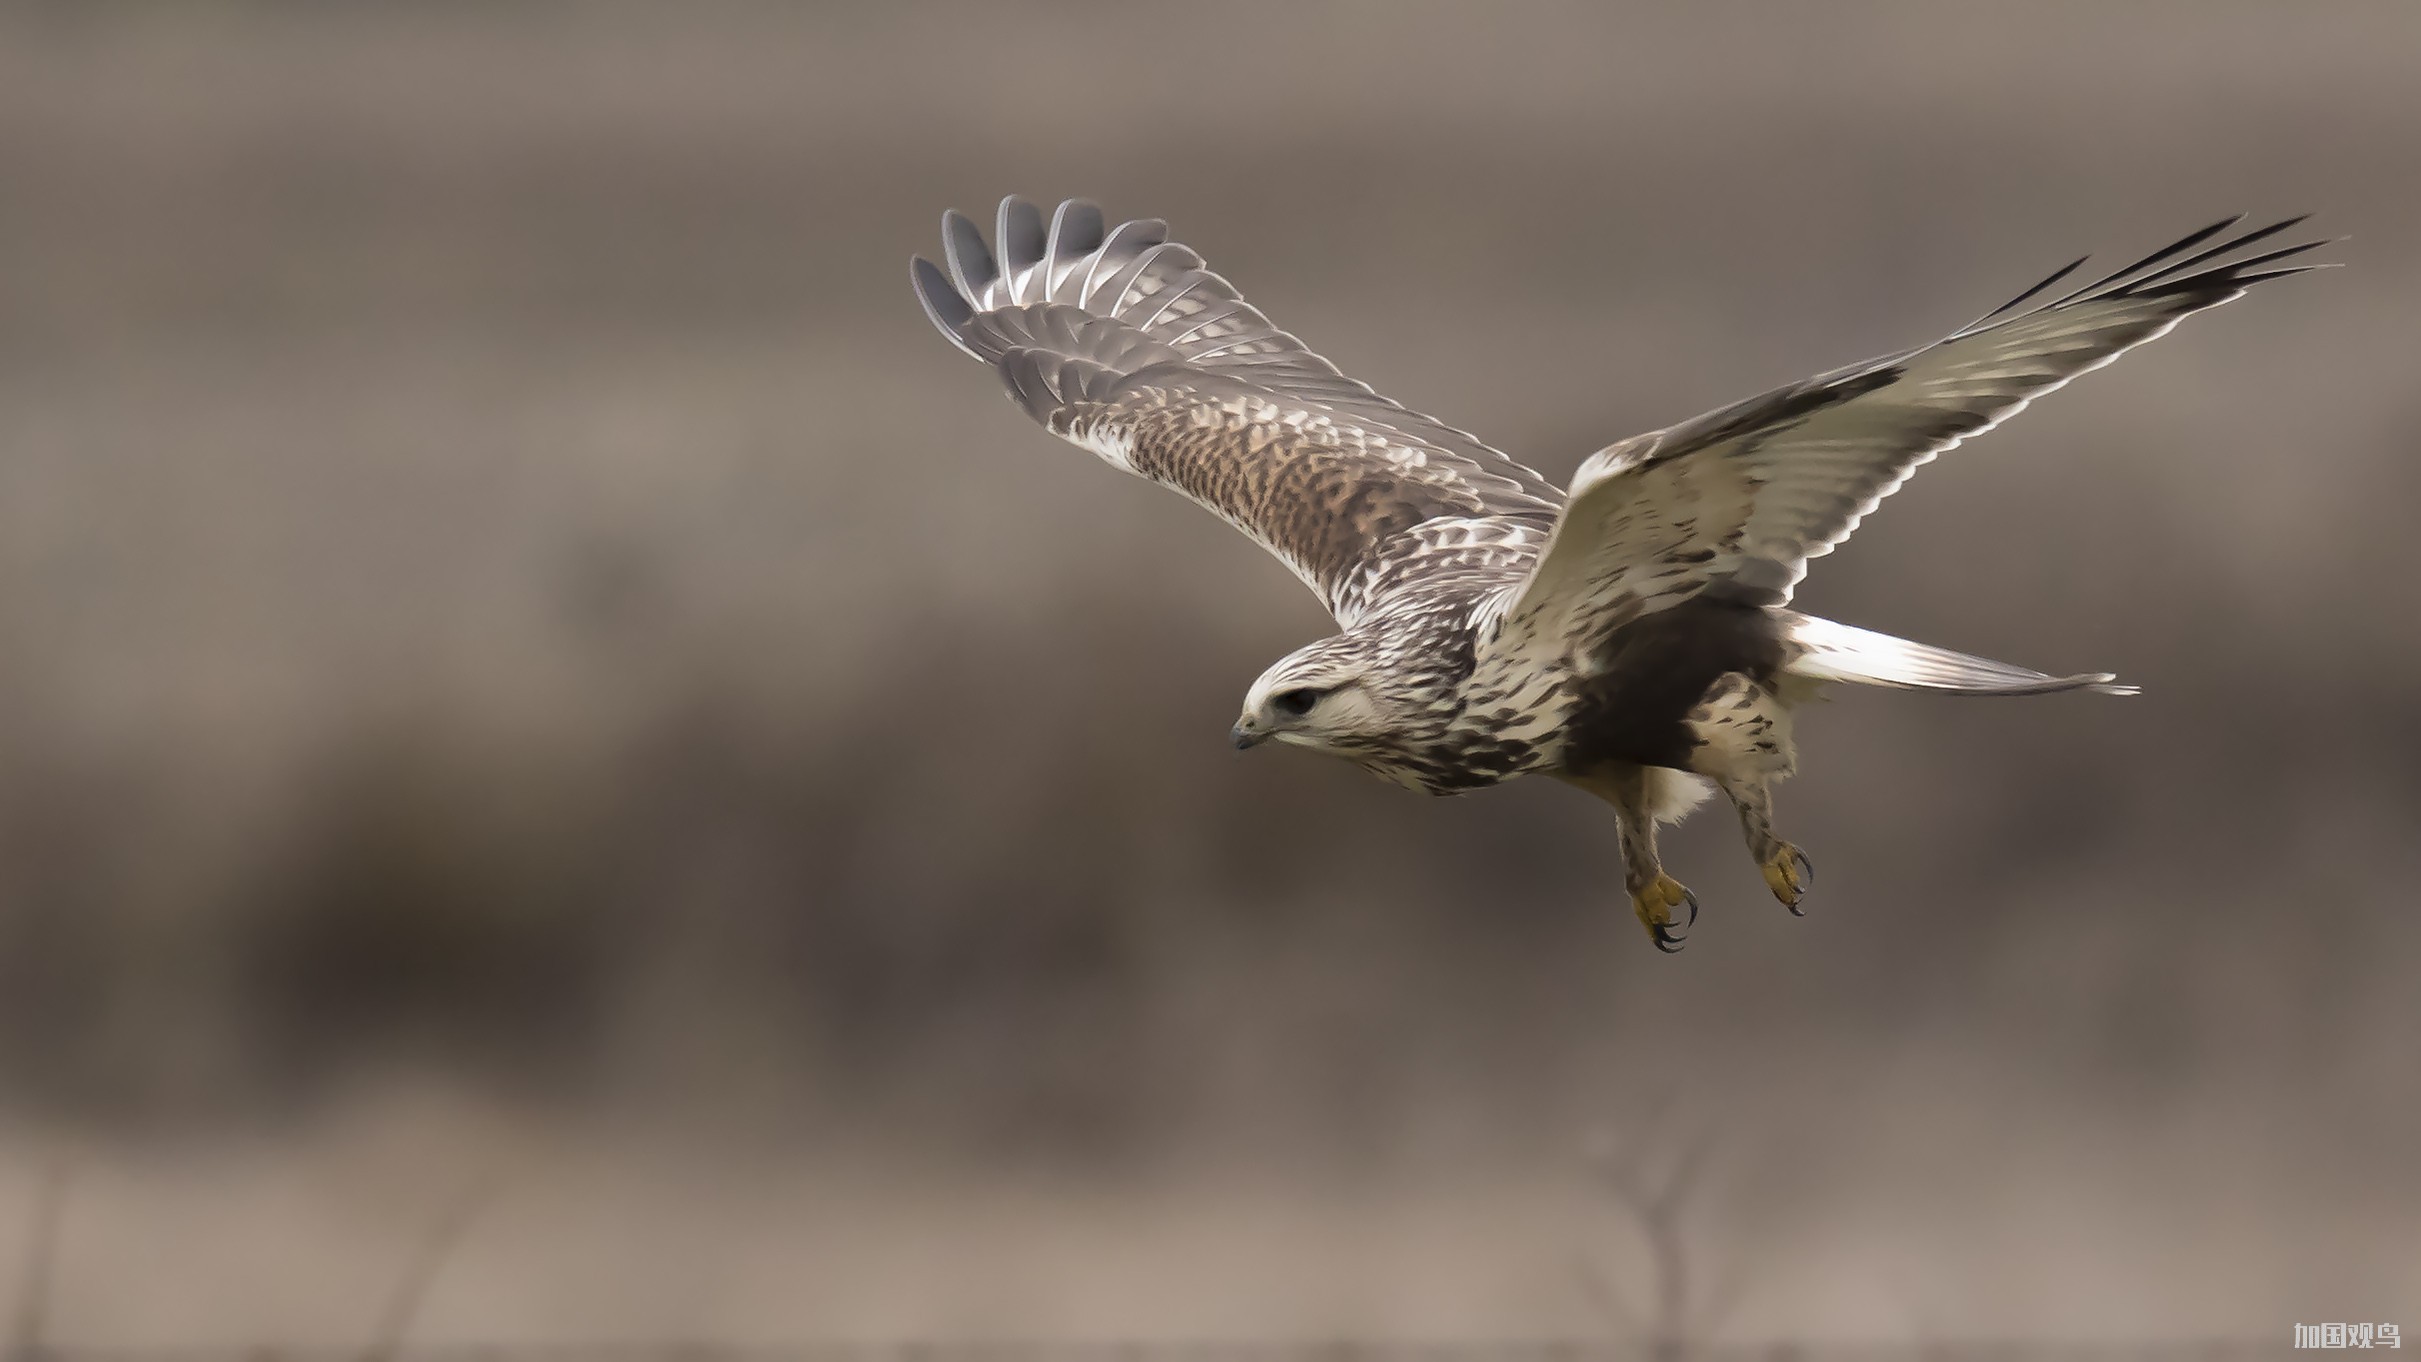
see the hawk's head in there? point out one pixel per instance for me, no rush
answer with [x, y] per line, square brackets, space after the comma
[1346, 696]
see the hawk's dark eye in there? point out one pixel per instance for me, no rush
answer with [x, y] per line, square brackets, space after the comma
[1296, 702]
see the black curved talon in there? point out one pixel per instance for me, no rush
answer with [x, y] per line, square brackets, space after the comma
[1807, 881]
[1690, 900]
[1668, 940]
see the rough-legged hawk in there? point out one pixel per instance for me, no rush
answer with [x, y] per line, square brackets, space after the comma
[1632, 636]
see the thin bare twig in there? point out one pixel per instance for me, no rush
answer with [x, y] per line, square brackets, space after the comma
[1656, 1192]
[422, 1270]
[1602, 1293]
[40, 1268]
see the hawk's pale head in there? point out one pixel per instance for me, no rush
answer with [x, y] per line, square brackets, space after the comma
[1339, 696]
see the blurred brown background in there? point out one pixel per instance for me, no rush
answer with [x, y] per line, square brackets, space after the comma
[529, 665]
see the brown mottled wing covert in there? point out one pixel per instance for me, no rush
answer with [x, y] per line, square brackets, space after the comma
[1734, 503]
[1122, 342]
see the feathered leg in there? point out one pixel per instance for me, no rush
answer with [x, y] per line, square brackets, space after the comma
[1788, 872]
[1654, 894]
[1743, 730]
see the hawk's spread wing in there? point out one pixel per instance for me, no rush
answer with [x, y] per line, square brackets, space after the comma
[1122, 342]
[1736, 501]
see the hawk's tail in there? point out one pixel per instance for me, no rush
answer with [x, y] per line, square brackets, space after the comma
[1821, 650]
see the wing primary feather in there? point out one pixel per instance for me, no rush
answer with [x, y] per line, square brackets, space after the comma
[2184, 243]
[971, 265]
[1075, 233]
[2179, 267]
[2248, 280]
[1019, 235]
[2048, 280]
[1113, 289]
[1126, 240]
[944, 306]
[2231, 272]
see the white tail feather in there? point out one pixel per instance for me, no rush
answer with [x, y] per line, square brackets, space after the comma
[1826, 651]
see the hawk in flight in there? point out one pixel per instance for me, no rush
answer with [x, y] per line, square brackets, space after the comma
[1632, 636]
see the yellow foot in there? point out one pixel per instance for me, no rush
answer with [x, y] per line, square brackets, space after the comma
[1789, 874]
[1655, 904]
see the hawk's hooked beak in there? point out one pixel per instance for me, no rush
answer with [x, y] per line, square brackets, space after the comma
[1245, 735]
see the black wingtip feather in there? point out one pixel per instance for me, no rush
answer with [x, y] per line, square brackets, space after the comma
[2184, 243]
[2229, 275]
[2248, 280]
[2048, 280]
[2215, 252]
[2164, 274]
